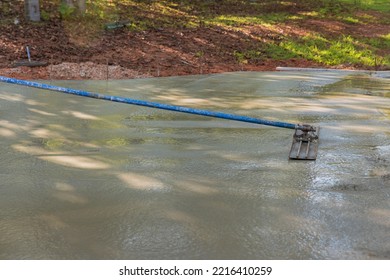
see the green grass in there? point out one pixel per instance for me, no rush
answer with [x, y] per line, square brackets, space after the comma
[280, 52]
[382, 42]
[240, 20]
[344, 51]
[378, 5]
[252, 55]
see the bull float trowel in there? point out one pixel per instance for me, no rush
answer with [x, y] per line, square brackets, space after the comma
[305, 142]
[305, 139]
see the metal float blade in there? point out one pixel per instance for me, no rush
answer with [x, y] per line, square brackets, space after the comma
[305, 143]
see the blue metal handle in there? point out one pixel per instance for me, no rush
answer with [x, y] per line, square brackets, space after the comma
[150, 104]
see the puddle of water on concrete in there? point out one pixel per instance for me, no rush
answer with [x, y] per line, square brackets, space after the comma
[87, 179]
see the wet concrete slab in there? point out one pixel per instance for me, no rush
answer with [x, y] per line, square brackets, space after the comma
[89, 179]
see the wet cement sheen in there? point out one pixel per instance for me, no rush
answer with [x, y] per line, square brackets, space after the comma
[90, 179]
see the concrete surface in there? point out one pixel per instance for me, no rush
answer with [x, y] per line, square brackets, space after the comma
[90, 179]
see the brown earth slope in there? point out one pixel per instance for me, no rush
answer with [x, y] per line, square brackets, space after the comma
[165, 51]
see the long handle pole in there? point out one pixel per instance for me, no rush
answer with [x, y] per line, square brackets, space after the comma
[119, 99]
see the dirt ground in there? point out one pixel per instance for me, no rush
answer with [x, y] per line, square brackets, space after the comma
[122, 53]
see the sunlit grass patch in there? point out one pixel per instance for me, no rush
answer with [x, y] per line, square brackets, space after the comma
[279, 52]
[244, 57]
[379, 42]
[344, 51]
[351, 19]
[240, 20]
[378, 5]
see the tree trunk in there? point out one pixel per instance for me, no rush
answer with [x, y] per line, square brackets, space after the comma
[31, 8]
